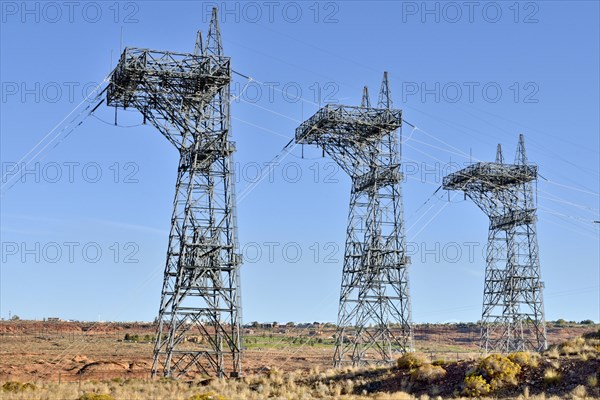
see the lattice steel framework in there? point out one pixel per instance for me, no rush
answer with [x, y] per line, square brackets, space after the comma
[513, 309]
[374, 322]
[186, 97]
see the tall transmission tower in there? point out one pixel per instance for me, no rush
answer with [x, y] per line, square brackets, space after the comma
[374, 321]
[513, 309]
[186, 97]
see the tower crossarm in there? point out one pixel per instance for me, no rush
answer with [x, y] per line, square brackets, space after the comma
[172, 90]
[349, 134]
[489, 176]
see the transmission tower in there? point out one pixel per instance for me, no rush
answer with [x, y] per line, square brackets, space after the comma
[186, 97]
[513, 309]
[374, 311]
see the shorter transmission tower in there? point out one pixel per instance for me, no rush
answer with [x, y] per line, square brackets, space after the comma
[374, 309]
[513, 309]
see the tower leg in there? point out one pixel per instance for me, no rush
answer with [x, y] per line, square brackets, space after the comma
[374, 315]
[199, 322]
[346, 348]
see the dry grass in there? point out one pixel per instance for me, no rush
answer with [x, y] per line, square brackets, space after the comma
[552, 376]
[580, 347]
[491, 376]
[525, 359]
[253, 389]
[275, 385]
[579, 392]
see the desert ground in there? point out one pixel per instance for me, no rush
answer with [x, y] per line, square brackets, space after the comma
[75, 359]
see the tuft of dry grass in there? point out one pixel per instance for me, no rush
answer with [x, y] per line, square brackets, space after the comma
[579, 392]
[553, 353]
[552, 376]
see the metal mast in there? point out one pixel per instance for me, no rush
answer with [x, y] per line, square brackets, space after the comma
[186, 97]
[374, 311]
[513, 309]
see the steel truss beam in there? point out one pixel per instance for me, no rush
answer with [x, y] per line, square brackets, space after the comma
[374, 322]
[513, 309]
[186, 97]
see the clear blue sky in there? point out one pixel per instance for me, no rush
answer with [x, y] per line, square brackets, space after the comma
[468, 77]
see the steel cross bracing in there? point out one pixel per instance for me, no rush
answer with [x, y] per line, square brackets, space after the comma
[186, 97]
[513, 310]
[374, 323]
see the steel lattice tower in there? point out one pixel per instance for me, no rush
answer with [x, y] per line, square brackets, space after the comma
[186, 97]
[374, 311]
[513, 310]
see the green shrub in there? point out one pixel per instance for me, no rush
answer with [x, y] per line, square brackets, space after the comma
[592, 335]
[12, 386]
[28, 386]
[439, 361]
[411, 360]
[476, 386]
[428, 373]
[499, 371]
[95, 396]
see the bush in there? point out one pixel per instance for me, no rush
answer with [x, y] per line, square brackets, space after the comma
[411, 360]
[428, 373]
[95, 396]
[524, 359]
[476, 386]
[12, 386]
[592, 335]
[439, 361]
[499, 371]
